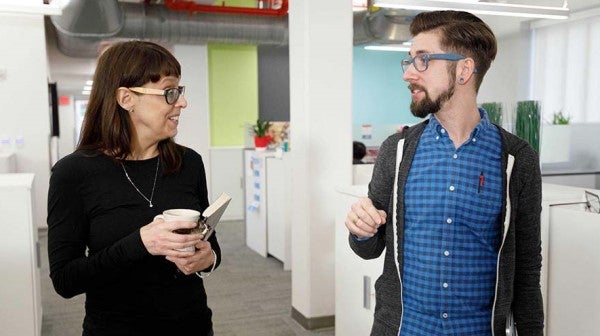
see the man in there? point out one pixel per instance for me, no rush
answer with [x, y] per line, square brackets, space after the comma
[455, 200]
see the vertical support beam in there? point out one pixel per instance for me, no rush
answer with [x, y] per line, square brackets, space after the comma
[194, 128]
[321, 136]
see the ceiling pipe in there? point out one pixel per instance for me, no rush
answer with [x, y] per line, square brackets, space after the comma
[192, 7]
[87, 26]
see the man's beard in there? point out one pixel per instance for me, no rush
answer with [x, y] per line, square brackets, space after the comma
[427, 106]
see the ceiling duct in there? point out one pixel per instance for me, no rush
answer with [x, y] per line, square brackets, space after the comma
[86, 26]
[389, 26]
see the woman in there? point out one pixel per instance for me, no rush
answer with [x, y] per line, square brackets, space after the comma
[102, 239]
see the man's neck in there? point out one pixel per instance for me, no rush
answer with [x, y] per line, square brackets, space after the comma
[459, 116]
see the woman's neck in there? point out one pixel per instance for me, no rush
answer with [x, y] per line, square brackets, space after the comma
[143, 152]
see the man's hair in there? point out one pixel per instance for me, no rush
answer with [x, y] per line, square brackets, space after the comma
[462, 33]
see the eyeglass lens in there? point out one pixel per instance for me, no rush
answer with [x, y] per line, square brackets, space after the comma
[172, 94]
[421, 62]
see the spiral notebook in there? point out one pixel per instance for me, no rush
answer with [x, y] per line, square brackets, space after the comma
[212, 214]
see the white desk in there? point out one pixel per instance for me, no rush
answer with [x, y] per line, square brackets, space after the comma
[573, 272]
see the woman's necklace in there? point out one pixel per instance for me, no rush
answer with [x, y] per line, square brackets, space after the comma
[153, 185]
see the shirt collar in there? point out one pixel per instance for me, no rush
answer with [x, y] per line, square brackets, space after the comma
[482, 126]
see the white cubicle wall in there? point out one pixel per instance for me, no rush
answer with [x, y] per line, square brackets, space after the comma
[227, 175]
[20, 293]
[8, 162]
[267, 204]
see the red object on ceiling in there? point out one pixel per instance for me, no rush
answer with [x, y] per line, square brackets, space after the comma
[192, 7]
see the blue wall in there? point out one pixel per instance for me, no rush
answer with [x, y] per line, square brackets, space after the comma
[380, 96]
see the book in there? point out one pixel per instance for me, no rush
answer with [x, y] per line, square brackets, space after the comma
[212, 214]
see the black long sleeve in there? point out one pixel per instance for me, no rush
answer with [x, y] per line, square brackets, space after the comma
[94, 244]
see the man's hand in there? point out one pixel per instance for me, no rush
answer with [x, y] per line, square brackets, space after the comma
[364, 219]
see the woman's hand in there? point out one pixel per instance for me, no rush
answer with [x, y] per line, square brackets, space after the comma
[202, 259]
[159, 239]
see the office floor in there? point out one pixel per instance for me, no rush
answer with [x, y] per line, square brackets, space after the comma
[249, 295]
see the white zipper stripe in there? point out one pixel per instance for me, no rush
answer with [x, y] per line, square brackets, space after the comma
[399, 153]
[509, 168]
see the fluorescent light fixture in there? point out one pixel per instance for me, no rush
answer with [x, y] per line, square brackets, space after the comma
[86, 92]
[89, 82]
[43, 9]
[87, 88]
[388, 47]
[483, 8]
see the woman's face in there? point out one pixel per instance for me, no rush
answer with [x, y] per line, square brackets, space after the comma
[152, 118]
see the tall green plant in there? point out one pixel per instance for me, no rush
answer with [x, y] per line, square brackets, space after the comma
[494, 111]
[528, 122]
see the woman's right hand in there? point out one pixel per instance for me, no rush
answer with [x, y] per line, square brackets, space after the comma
[159, 239]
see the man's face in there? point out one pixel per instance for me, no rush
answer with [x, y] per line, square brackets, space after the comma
[432, 88]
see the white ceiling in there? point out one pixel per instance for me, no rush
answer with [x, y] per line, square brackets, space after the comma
[71, 73]
[503, 26]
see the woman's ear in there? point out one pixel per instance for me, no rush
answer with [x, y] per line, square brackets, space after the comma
[125, 98]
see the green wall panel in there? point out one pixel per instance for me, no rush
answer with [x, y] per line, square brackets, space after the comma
[233, 92]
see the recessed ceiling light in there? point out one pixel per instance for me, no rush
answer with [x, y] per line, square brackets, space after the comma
[388, 47]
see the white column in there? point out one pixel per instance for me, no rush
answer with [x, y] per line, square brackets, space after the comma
[24, 98]
[320, 103]
[194, 123]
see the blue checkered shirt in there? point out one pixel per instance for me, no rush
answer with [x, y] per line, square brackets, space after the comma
[453, 200]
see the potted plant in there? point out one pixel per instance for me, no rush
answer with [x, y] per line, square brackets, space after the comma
[559, 119]
[494, 111]
[528, 122]
[261, 136]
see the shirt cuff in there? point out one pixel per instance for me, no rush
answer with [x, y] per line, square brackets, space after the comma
[359, 238]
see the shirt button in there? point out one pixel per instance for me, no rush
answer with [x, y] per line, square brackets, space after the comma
[442, 131]
[437, 137]
[445, 285]
[451, 188]
[455, 155]
[474, 140]
[446, 253]
[449, 220]
[445, 315]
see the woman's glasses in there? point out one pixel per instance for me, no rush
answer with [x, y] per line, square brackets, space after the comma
[171, 94]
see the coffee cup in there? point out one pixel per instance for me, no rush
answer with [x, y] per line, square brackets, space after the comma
[183, 215]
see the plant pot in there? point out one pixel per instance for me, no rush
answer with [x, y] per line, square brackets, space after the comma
[261, 143]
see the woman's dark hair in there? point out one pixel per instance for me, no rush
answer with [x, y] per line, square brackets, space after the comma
[462, 33]
[106, 125]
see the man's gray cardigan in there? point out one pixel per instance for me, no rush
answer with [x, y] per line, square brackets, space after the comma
[519, 260]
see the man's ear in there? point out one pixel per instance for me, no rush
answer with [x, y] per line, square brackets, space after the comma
[467, 69]
[125, 98]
